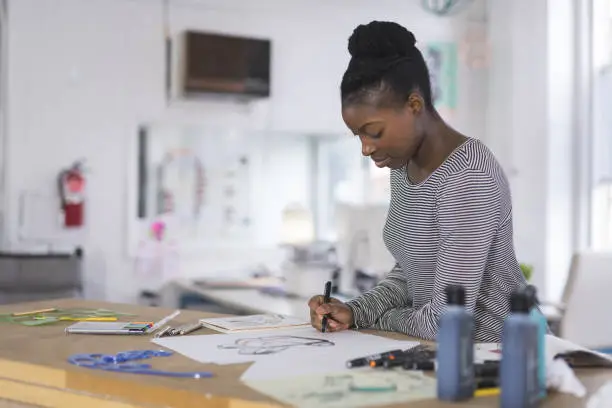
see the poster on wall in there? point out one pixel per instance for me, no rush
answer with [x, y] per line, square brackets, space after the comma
[197, 181]
[442, 61]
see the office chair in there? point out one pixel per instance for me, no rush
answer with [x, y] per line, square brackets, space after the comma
[586, 302]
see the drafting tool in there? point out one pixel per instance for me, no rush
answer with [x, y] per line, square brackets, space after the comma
[163, 331]
[191, 328]
[137, 328]
[34, 312]
[125, 362]
[52, 315]
[163, 321]
[179, 331]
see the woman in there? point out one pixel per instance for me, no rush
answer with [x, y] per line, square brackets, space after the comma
[450, 216]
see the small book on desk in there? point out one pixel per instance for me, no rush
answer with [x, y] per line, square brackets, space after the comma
[109, 328]
[236, 324]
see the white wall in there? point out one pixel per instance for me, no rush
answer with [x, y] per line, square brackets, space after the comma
[84, 73]
[534, 125]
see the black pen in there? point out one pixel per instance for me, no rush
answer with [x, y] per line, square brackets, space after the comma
[326, 296]
[371, 360]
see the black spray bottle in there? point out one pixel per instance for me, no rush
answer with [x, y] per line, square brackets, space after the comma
[455, 349]
[519, 364]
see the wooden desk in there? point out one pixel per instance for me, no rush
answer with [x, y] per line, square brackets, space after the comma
[34, 370]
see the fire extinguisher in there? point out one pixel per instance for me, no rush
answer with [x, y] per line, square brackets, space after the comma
[71, 183]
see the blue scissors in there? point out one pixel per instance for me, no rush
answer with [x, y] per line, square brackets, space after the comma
[124, 362]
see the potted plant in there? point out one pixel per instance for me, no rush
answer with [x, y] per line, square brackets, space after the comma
[527, 271]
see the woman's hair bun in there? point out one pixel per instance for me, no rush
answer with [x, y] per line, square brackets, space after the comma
[381, 40]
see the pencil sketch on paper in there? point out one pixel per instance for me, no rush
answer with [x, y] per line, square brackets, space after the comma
[350, 389]
[273, 344]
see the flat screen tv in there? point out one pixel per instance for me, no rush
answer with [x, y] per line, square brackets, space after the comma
[224, 64]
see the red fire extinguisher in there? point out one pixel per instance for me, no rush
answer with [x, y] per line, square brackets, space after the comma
[72, 195]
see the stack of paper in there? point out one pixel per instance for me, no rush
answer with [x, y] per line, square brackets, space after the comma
[234, 324]
[359, 388]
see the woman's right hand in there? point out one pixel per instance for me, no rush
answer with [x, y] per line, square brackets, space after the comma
[339, 315]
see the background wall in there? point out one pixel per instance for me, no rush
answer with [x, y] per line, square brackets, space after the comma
[84, 74]
[538, 107]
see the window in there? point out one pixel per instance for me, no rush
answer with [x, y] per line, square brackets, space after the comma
[601, 238]
[377, 185]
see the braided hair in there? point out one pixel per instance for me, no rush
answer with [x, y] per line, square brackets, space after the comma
[385, 67]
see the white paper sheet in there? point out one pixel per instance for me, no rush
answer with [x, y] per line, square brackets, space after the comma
[487, 352]
[348, 345]
[555, 346]
[304, 350]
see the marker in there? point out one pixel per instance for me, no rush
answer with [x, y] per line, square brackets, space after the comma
[398, 360]
[389, 356]
[368, 360]
[487, 383]
[427, 365]
[326, 296]
[487, 392]
[487, 369]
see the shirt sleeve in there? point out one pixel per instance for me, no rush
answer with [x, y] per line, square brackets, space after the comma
[393, 291]
[468, 215]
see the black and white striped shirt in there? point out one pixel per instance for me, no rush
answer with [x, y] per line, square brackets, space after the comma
[453, 228]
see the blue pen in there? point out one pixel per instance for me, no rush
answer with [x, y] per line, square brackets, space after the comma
[326, 296]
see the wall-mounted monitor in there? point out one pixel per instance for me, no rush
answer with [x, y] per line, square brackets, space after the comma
[224, 64]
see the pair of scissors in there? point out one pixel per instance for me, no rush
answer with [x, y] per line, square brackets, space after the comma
[124, 362]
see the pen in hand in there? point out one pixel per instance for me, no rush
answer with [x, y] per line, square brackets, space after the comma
[326, 296]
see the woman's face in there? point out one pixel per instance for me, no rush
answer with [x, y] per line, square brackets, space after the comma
[389, 136]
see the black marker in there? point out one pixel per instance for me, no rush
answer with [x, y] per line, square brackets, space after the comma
[487, 383]
[326, 295]
[389, 356]
[487, 369]
[426, 365]
[368, 360]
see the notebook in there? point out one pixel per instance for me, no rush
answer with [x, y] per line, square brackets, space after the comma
[236, 324]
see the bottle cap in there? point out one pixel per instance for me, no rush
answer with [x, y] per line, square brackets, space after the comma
[520, 302]
[532, 293]
[455, 295]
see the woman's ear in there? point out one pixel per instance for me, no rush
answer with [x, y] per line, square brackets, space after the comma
[415, 103]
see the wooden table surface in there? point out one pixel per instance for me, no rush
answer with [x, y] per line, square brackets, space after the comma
[34, 370]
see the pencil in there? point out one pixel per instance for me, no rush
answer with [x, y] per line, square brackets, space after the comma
[33, 312]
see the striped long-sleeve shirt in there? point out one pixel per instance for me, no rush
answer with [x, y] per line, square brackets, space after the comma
[453, 228]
